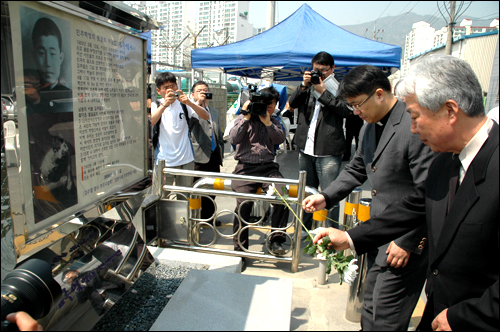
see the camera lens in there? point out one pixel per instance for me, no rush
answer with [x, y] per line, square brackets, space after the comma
[30, 288]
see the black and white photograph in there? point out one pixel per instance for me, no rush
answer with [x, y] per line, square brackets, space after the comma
[49, 111]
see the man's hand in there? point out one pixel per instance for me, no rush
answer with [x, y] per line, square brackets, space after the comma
[24, 321]
[338, 238]
[307, 78]
[440, 323]
[320, 87]
[247, 116]
[184, 98]
[314, 203]
[398, 257]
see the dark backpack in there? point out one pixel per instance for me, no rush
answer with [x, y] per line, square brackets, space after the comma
[156, 127]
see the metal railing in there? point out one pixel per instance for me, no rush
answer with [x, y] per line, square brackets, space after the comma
[296, 191]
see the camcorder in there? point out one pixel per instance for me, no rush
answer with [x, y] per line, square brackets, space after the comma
[208, 94]
[29, 288]
[315, 76]
[258, 101]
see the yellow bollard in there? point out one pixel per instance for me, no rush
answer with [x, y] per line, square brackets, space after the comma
[364, 211]
[320, 215]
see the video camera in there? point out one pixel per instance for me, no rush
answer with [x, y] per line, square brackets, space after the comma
[30, 288]
[258, 101]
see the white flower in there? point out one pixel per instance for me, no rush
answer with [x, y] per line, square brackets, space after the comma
[350, 272]
[270, 191]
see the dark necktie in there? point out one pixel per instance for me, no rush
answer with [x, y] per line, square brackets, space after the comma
[454, 180]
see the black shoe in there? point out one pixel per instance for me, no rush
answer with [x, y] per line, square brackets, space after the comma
[277, 249]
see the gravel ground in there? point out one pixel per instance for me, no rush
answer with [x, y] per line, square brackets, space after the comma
[139, 307]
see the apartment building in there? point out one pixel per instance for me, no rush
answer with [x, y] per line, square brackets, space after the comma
[423, 37]
[194, 24]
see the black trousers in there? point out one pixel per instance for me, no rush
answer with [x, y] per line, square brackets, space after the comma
[279, 218]
[213, 165]
[352, 127]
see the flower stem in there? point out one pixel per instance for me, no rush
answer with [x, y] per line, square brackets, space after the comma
[286, 203]
[288, 206]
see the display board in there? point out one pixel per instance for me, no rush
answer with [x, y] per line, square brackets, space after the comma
[82, 120]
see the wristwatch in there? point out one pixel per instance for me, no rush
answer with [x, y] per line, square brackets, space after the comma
[302, 85]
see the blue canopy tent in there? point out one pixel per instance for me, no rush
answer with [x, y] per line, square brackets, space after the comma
[285, 51]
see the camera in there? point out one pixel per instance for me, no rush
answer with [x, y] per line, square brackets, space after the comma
[208, 94]
[315, 76]
[177, 94]
[30, 288]
[258, 101]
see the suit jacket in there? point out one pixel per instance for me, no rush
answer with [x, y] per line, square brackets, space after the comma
[329, 136]
[463, 245]
[201, 136]
[393, 168]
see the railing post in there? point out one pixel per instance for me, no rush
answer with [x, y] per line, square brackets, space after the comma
[357, 289]
[301, 192]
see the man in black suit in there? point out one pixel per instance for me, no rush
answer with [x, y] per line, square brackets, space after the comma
[459, 200]
[393, 161]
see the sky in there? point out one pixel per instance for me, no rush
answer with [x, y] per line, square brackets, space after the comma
[356, 12]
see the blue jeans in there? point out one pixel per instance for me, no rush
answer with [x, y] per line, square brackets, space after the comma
[321, 172]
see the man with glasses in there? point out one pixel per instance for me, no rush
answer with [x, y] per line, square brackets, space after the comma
[319, 134]
[208, 145]
[174, 145]
[255, 137]
[394, 161]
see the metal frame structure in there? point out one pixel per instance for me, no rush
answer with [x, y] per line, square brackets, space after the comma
[194, 221]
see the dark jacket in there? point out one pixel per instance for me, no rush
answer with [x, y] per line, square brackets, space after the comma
[463, 245]
[201, 137]
[329, 136]
[393, 167]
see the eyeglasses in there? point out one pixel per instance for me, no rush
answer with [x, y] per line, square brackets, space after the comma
[357, 107]
[169, 86]
[323, 70]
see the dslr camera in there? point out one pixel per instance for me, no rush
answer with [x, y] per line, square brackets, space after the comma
[258, 101]
[30, 288]
[315, 76]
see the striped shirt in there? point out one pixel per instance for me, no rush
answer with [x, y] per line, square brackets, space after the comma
[255, 141]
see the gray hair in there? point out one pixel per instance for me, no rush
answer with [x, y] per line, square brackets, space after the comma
[436, 79]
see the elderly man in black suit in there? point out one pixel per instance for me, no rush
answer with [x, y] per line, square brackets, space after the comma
[459, 200]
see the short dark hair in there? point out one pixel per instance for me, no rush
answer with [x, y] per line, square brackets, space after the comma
[46, 27]
[323, 58]
[199, 83]
[363, 80]
[272, 92]
[165, 77]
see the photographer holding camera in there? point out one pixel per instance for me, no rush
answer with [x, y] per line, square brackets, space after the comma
[208, 145]
[174, 111]
[255, 133]
[319, 134]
